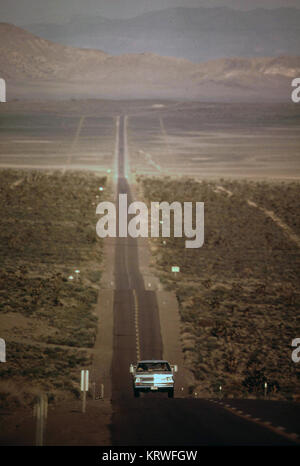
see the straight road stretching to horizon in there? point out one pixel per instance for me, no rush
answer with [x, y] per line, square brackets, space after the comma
[131, 336]
[85, 141]
[154, 419]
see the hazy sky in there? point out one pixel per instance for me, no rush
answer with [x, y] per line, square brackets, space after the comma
[27, 11]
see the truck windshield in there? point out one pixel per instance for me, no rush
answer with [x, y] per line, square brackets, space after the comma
[153, 367]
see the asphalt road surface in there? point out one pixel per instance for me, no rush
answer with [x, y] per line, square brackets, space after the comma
[128, 281]
[154, 419]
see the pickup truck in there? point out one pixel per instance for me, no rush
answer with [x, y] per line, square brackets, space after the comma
[153, 376]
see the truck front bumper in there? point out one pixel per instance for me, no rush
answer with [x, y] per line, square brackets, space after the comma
[154, 388]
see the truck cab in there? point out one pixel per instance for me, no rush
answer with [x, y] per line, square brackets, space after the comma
[153, 376]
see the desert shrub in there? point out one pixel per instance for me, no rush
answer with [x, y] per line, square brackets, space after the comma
[241, 287]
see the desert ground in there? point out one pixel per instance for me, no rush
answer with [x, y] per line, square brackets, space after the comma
[258, 141]
[238, 296]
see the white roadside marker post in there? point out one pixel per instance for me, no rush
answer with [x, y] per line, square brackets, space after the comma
[40, 412]
[84, 387]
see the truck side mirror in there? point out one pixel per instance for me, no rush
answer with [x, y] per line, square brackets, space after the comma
[131, 368]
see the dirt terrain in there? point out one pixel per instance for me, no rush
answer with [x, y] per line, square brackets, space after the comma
[201, 140]
[259, 141]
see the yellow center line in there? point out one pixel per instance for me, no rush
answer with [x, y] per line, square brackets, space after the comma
[136, 320]
[279, 430]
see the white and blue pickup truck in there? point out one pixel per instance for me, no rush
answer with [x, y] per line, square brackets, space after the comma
[153, 376]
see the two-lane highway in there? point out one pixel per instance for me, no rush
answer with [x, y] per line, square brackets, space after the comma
[154, 419]
[129, 281]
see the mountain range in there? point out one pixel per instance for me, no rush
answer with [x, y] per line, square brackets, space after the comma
[37, 68]
[197, 34]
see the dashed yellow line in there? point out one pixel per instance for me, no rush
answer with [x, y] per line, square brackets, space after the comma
[279, 430]
[136, 323]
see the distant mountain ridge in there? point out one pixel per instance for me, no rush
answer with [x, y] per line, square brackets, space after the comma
[196, 34]
[26, 56]
[35, 67]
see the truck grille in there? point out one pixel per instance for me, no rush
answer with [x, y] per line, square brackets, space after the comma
[147, 381]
